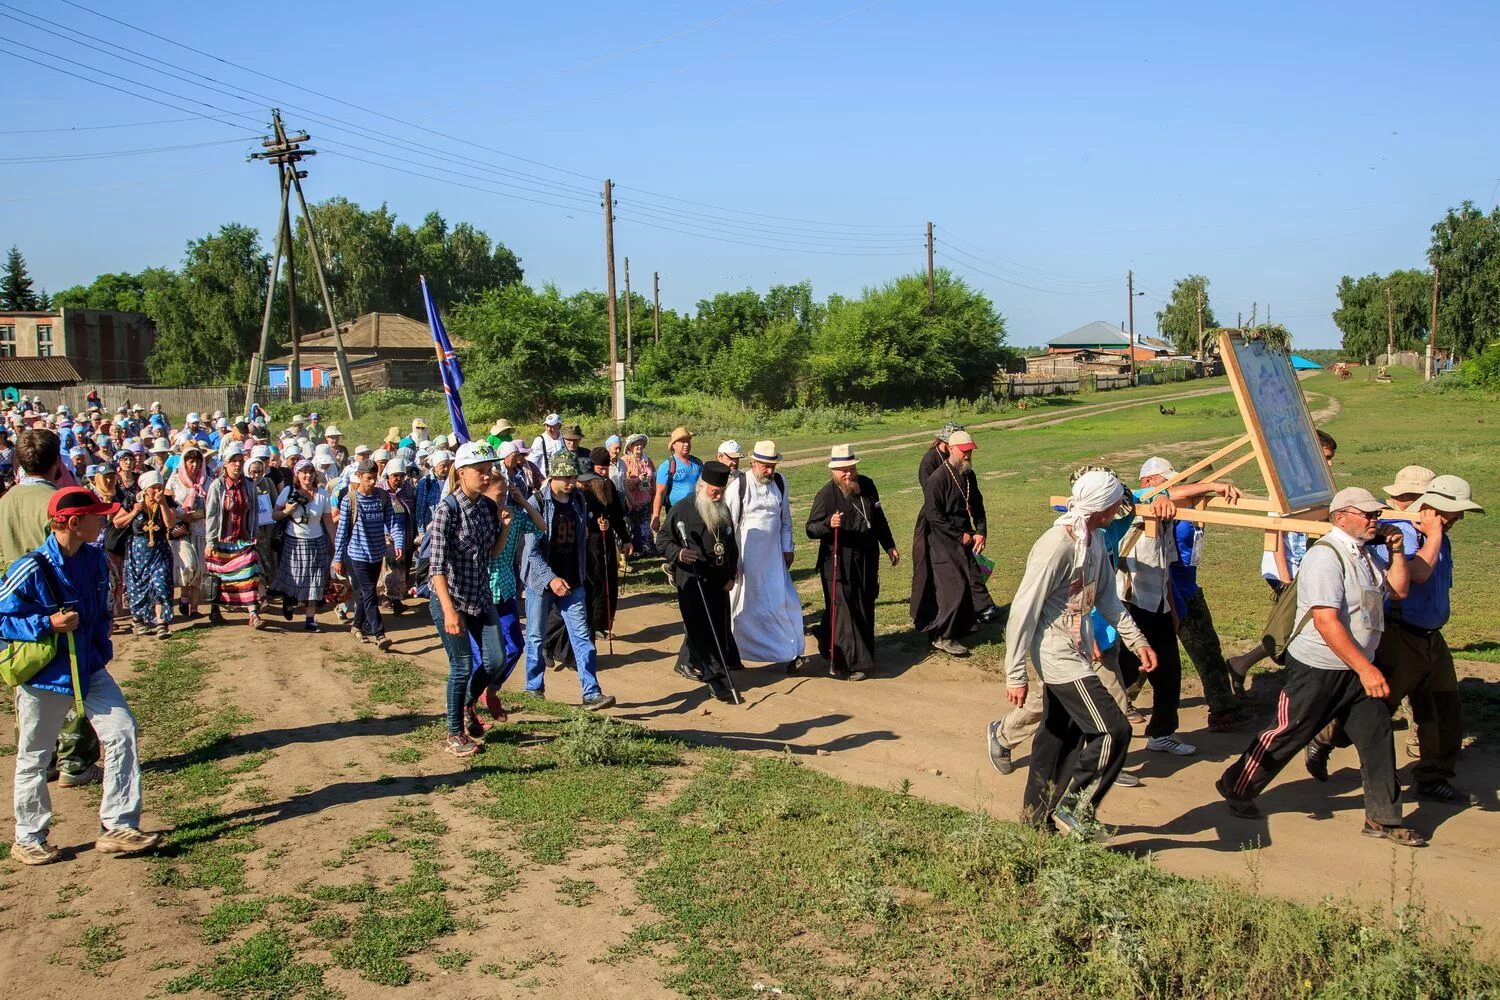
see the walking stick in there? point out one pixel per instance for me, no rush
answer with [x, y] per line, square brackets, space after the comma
[712, 628]
[833, 605]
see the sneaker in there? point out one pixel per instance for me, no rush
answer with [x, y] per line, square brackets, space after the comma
[1225, 722]
[383, 643]
[599, 701]
[1171, 745]
[999, 752]
[473, 725]
[1134, 717]
[1316, 759]
[310, 626]
[459, 745]
[34, 854]
[1076, 826]
[91, 775]
[1243, 808]
[125, 840]
[1127, 780]
[343, 615]
[950, 647]
[1446, 792]
[161, 631]
[794, 666]
[140, 628]
[256, 621]
[1403, 835]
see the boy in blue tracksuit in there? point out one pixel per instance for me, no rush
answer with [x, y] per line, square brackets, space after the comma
[62, 590]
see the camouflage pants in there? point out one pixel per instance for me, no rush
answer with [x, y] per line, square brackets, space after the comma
[1197, 635]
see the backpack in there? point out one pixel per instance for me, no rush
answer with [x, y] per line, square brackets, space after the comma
[1283, 625]
[739, 509]
[421, 564]
[21, 660]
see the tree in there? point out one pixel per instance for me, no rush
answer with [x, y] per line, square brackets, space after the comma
[1179, 321]
[1361, 315]
[16, 291]
[121, 292]
[208, 314]
[1466, 251]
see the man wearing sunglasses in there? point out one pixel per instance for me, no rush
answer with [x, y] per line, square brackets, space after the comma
[1341, 595]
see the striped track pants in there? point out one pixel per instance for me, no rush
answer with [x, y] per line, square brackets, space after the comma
[1077, 752]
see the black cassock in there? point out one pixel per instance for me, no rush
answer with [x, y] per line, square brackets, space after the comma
[850, 607]
[942, 603]
[703, 590]
[932, 461]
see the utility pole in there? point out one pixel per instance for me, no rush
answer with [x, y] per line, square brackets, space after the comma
[1130, 303]
[629, 308]
[1432, 327]
[1390, 327]
[1239, 321]
[609, 276]
[286, 152]
[929, 265]
[1254, 308]
[294, 373]
[656, 307]
[1268, 314]
[1200, 324]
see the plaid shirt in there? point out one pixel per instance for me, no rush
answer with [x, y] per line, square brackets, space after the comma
[463, 532]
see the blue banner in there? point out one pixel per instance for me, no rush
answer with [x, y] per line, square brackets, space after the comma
[453, 379]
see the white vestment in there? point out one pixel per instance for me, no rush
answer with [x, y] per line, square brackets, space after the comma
[767, 614]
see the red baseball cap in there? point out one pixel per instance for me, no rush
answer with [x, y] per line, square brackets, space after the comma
[77, 501]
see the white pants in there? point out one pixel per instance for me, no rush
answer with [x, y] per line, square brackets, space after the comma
[39, 717]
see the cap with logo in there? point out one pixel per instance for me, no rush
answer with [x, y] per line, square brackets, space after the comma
[472, 453]
[961, 441]
[553, 420]
[730, 448]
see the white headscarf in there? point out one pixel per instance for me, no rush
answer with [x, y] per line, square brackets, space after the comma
[1094, 491]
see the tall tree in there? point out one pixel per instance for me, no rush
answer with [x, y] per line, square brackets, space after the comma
[208, 314]
[1466, 250]
[16, 290]
[1361, 315]
[1179, 321]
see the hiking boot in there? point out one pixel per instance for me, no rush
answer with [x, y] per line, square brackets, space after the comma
[1127, 780]
[950, 647]
[125, 840]
[1403, 835]
[1316, 758]
[999, 752]
[34, 854]
[1172, 745]
[1076, 826]
[459, 745]
[599, 701]
[91, 775]
[1134, 717]
[383, 643]
[1243, 808]
[1446, 792]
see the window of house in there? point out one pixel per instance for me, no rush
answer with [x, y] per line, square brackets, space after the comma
[7, 341]
[44, 341]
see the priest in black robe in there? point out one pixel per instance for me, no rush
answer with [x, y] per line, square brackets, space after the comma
[697, 538]
[951, 531]
[985, 610]
[849, 524]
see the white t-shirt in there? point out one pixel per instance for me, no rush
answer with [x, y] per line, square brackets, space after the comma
[1356, 588]
[306, 525]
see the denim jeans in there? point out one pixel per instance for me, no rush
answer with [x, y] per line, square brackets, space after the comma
[362, 579]
[574, 612]
[466, 679]
[39, 717]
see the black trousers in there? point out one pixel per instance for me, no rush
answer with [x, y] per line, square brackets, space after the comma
[1311, 699]
[363, 576]
[1077, 752]
[1166, 679]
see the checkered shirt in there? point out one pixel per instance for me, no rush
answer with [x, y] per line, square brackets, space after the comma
[460, 553]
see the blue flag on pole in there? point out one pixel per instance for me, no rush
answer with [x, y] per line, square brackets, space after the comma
[453, 379]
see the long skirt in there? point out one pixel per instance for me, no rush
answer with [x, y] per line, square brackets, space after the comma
[302, 573]
[148, 578]
[118, 604]
[236, 568]
[641, 535]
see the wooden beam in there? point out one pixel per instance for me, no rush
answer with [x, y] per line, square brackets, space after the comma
[1200, 465]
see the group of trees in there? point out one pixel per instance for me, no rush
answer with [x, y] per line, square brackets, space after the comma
[531, 349]
[17, 291]
[1185, 314]
[1465, 249]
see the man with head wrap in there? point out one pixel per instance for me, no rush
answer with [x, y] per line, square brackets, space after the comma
[697, 539]
[1078, 752]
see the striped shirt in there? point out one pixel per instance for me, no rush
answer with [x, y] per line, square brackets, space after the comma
[365, 542]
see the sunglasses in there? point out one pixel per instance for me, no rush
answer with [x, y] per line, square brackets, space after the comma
[1362, 513]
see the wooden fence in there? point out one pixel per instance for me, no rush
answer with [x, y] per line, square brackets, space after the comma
[174, 400]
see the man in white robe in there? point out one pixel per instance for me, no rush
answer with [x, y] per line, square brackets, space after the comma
[766, 611]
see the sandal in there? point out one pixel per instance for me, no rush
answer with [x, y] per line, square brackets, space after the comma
[1403, 835]
[256, 622]
[493, 705]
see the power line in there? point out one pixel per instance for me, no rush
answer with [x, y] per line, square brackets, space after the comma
[1036, 273]
[952, 250]
[93, 128]
[64, 157]
[779, 218]
[897, 233]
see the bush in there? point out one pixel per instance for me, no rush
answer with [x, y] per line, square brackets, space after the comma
[1481, 371]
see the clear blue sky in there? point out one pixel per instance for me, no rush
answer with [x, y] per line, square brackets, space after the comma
[1272, 147]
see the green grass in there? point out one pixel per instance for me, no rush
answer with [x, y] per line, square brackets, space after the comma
[263, 967]
[576, 892]
[100, 945]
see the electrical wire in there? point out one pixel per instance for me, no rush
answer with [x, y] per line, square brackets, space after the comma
[65, 157]
[92, 128]
[1025, 270]
[973, 264]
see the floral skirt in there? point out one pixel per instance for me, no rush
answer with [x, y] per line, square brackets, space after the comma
[148, 579]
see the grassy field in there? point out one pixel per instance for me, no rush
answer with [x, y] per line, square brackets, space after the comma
[748, 870]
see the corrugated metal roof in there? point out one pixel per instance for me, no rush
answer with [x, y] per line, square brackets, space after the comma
[1095, 334]
[35, 371]
[376, 330]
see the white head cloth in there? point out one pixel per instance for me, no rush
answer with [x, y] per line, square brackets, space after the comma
[1094, 491]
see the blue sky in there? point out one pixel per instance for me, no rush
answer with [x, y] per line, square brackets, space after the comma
[1272, 147]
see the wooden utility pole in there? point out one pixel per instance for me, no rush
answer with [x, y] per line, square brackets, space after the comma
[629, 309]
[1239, 321]
[1432, 327]
[1200, 324]
[929, 265]
[1390, 327]
[1130, 304]
[294, 373]
[286, 152]
[1254, 308]
[656, 307]
[609, 277]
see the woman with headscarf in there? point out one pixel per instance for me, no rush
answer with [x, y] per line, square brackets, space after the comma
[148, 560]
[305, 509]
[639, 490]
[267, 539]
[232, 517]
[188, 489]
